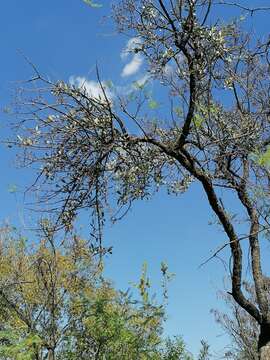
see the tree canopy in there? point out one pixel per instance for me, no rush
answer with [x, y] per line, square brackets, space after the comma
[104, 152]
[56, 304]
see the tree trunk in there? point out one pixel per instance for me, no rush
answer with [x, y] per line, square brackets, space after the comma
[264, 342]
[51, 354]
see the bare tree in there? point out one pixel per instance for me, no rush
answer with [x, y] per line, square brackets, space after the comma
[96, 151]
[242, 329]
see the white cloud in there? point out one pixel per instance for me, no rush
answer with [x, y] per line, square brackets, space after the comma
[133, 66]
[137, 60]
[92, 87]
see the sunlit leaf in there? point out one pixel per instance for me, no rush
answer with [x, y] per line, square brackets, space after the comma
[12, 188]
[153, 104]
[92, 4]
[198, 120]
[178, 111]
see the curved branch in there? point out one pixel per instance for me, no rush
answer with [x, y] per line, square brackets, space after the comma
[254, 242]
[188, 162]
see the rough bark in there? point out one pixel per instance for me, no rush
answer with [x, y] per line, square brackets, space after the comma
[264, 342]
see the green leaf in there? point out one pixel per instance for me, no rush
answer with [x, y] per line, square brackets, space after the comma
[109, 84]
[12, 188]
[138, 85]
[198, 120]
[92, 4]
[153, 104]
[178, 111]
[264, 159]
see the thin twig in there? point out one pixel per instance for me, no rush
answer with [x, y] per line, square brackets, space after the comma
[229, 243]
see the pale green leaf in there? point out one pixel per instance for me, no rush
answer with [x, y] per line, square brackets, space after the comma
[153, 104]
[92, 4]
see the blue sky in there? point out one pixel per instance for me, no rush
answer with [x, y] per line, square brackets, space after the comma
[66, 39]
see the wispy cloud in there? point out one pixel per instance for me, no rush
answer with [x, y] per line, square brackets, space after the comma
[137, 60]
[93, 88]
[133, 66]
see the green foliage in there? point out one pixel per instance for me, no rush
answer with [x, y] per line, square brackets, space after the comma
[116, 328]
[198, 120]
[139, 85]
[102, 156]
[19, 345]
[175, 349]
[54, 298]
[204, 352]
[178, 111]
[12, 188]
[153, 104]
[93, 4]
[263, 159]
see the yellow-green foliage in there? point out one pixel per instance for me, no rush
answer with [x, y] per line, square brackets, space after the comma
[264, 159]
[54, 299]
[38, 284]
